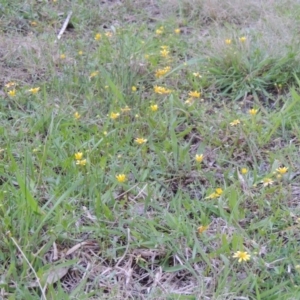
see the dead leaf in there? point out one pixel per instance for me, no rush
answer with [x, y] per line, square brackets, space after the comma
[55, 274]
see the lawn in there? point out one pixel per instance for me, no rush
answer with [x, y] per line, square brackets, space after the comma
[151, 151]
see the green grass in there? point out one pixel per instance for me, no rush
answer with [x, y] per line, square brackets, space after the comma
[71, 231]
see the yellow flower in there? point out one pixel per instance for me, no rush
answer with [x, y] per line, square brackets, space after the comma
[121, 178]
[125, 109]
[228, 41]
[235, 122]
[10, 84]
[194, 94]
[109, 34]
[12, 93]
[219, 191]
[242, 39]
[78, 155]
[216, 194]
[212, 196]
[133, 88]
[154, 107]
[34, 90]
[97, 37]
[199, 158]
[77, 115]
[189, 101]
[80, 52]
[62, 56]
[93, 74]
[81, 162]
[242, 256]
[140, 141]
[244, 170]
[33, 23]
[161, 72]
[202, 228]
[267, 181]
[253, 111]
[160, 30]
[114, 116]
[177, 30]
[164, 53]
[197, 74]
[161, 90]
[282, 170]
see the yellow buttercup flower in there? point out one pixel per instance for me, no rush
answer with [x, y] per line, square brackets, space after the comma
[78, 155]
[267, 181]
[77, 115]
[154, 107]
[161, 90]
[160, 30]
[189, 101]
[194, 94]
[161, 72]
[197, 74]
[12, 93]
[62, 56]
[235, 122]
[216, 194]
[33, 23]
[202, 228]
[81, 162]
[114, 116]
[199, 158]
[228, 41]
[219, 191]
[243, 39]
[242, 256]
[244, 171]
[10, 84]
[164, 53]
[34, 90]
[97, 37]
[282, 170]
[121, 178]
[177, 30]
[80, 52]
[140, 141]
[94, 74]
[253, 111]
[133, 88]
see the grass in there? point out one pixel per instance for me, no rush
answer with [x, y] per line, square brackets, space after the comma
[136, 163]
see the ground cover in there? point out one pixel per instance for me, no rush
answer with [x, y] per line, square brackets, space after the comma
[150, 153]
